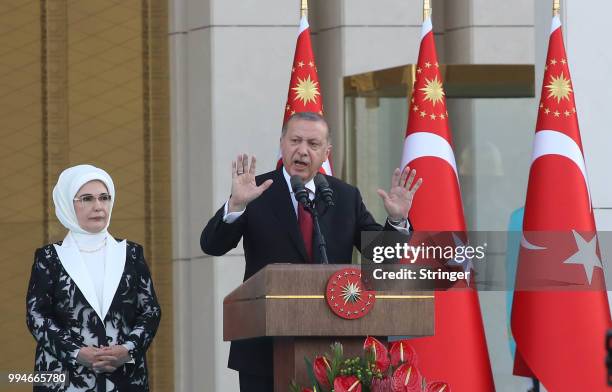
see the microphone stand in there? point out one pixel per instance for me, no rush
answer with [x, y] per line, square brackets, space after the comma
[311, 208]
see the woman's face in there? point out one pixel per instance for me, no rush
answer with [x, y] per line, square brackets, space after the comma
[91, 204]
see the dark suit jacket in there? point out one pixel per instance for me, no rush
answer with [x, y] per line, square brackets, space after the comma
[62, 320]
[271, 234]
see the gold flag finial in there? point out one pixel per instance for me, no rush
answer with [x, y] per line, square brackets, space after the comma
[556, 7]
[426, 9]
[304, 8]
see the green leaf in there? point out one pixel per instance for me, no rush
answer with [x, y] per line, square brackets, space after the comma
[294, 387]
[336, 362]
[311, 376]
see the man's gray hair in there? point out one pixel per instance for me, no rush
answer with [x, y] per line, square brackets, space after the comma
[308, 116]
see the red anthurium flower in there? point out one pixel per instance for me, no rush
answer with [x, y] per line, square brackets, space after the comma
[381, 385]
[402, 352]
[347, 384]
[381, 355]
[307, 390]
[320, 366]
[438, 386]
[406, 378]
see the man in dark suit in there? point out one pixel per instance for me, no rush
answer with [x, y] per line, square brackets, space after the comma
[263, 212]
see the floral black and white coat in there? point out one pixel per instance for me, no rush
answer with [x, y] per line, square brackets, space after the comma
[62, 318]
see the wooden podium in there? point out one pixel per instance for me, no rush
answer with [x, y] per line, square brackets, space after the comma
[286, 302]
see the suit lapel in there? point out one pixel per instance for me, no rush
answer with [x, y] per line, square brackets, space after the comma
[115, 264]
[73, 263]
[283, 209]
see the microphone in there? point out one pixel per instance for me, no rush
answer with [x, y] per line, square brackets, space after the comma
[300, 192]
[301, 195]
[322, 186]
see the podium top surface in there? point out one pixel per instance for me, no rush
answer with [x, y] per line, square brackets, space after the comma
[289, 300]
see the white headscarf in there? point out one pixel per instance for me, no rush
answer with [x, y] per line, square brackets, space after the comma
[68, 184]
[97, 272]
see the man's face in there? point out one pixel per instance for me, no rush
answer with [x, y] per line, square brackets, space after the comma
[304, 147]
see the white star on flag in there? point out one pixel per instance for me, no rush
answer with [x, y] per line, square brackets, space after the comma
[586, 255]
[467, 264]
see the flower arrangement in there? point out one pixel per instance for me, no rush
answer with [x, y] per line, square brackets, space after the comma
[380, 369]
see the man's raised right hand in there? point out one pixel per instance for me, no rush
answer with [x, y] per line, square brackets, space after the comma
[244, 188]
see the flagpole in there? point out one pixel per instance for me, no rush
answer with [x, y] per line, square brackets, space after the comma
[304, 8]
[556, 7]
[426, 9]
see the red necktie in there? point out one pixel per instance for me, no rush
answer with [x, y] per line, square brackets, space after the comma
[305, 223]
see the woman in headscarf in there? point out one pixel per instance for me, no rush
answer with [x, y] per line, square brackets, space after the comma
[91, 305]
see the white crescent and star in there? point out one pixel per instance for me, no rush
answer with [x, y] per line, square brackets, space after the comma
[546, 142]
[586, 254]
[550, 142]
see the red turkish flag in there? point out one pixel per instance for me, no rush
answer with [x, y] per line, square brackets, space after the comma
[304, 90]
[559, 330]
[457, 353]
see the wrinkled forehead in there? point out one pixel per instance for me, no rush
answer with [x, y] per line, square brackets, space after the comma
[308, 129]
